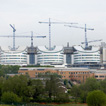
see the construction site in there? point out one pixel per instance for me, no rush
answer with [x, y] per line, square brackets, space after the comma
[58, 56]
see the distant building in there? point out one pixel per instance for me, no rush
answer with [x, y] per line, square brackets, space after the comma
[17, 57]
[58, 56]
[54, 56]
[86, 57]
[68, 54]
[75, 74]
[100, 74]
[32, 55]
[103, 53]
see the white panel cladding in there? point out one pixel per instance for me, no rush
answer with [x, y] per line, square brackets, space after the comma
[54, 56]
[18, 57]
[86, 56]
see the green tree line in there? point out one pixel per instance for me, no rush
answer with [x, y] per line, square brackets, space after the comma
[20, 89]
[8, 69]
[80, 92]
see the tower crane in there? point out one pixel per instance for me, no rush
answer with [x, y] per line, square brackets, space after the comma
[50, 28]
[21, 36]
[85, 29]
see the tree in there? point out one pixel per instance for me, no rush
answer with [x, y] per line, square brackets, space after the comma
[2, 73]
[54, 86]
[16, 84]
[62, 98]
[10, 97]
[51, 86]
[96, 98]
[38, 88]
[103, 85]
[76, 92]
[1, 85]
[8, 69]
[90, 85]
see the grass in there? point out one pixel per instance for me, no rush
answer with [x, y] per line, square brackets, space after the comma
[55, 105]
[6, 105]
[70, 105]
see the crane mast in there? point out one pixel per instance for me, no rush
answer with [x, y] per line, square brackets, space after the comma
[49, 34]
[50, 28]
[86, 41]
[13, 27]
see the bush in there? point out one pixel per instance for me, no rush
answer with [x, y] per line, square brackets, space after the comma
[62, 98]
[10, 97]
[96, 98]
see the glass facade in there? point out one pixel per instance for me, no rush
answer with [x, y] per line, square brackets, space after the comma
[32, 58]
[68, 58]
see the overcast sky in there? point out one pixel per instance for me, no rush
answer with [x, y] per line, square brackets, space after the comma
[26, 14]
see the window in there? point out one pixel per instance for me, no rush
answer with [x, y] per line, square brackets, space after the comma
[101, 76]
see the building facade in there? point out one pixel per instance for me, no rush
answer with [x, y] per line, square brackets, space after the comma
[54, 56]
[57, 56]
[74, 74]
[17, 57]
[82, 56]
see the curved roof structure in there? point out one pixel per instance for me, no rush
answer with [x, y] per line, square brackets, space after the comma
[54, 49]
[81, 49]
[8, 49]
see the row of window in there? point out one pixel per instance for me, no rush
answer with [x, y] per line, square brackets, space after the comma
[87, 55]
[78, 76]
[75, 72]
[86, 60]
[11, 61]
[13, 56]
[101, 76]
[50, 58]
[49, 55]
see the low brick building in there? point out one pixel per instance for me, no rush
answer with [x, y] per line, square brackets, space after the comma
[100, 74]
[74, 74]
[81, 76]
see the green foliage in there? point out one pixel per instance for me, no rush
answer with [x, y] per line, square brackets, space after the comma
[8, 69]
[103, 85]
[62, 98]
[90, 85]
[19, 86]
[54, 87]
[96, 98]
[81, 91]
[2, 73]
[38, 88]
[10, 97]
[16, 84]
[1, 85]
[76, 92]
[65, 82]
